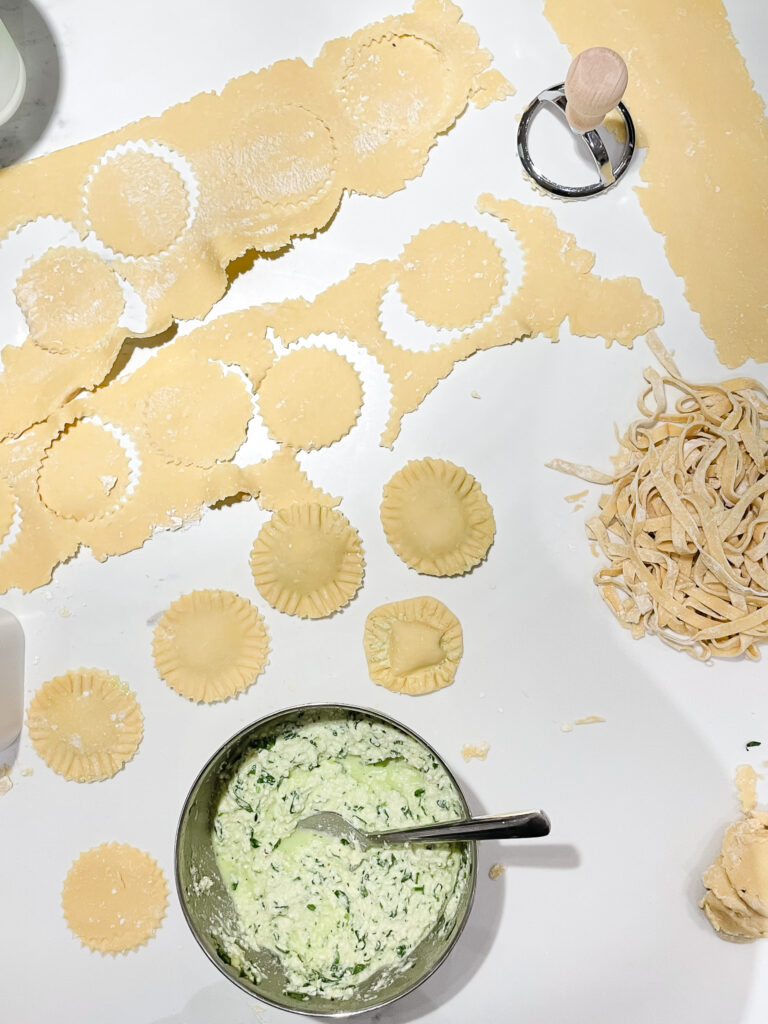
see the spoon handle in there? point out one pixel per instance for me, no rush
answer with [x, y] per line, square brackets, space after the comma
[523, 825]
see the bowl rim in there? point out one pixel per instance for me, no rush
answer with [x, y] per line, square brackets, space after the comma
[258, 723]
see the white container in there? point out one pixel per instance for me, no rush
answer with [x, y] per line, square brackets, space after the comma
[13, 76]
[11, 678]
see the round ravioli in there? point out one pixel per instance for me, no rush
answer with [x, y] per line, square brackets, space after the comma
[85, 724]
[291, 158]
[210, 645]
[71, 300]
[114, 898]
[451, 275]
[308, 561]
[436, 518]
[86, 472]
[201, 421]
[310, 398]
[137, 203]
[413, 646]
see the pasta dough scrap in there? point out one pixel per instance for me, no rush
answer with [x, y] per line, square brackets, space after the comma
[265, 161]
[436, 518]
[85, 473]
[413, 646]
[175, 427]
[452, 275]
[114, 898]
[210, 645]
[308, 561]
[280, 482]
[7, 508]
[685, 525]
[137, 203]
[70, 299]
[85, 724]
[310, 398]
[706, 135]
[736, 900]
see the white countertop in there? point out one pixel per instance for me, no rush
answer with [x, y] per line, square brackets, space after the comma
[599, 923]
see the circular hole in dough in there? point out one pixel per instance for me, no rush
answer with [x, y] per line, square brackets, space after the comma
[394, 89]
[202, 420]
[137, 203]
[310, 398]
[70, 299]
[413, 646]
[85, 473]
[210, 645]
[85, 724]
[436, 517]
[451, 275]
[114, 898]
[290, 159]
[7, 508]
[308, 561]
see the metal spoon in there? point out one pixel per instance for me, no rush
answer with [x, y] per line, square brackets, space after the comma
[522, 825]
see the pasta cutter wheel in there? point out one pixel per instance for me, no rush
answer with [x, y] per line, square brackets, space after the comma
[594, 85]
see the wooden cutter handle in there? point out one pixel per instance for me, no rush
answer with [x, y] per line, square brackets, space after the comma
[595, 83]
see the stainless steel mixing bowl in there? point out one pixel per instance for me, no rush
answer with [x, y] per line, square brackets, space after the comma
[210, 912]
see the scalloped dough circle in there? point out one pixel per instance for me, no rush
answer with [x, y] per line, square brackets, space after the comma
[7, 508]
[85, 724]
[137, 203]
[451, 275]
[210, 645]
[114, 898]
[290, 157]
[395, 87]
[308, 561]
[71, 300]
[310, 398]
[413, 646]
[436, 518]
[201, 420]
[85, 473]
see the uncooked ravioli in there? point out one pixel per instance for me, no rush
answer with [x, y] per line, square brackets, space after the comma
[114, 898]
[70, 299]
[452, 275]
[308, 561]
[210, 645]
[85, 473]
[85, 724]
[413, 646]
[200, 420]
[436, 517]
[310, 398]
[137, 203]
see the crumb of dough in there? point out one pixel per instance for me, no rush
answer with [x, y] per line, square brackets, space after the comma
[70, 299]
[210, 645]
[175, 423]
[576, 497]
[478, 750]
[137, 203]
[310, 398]
[114, 898]
[474, 394]
[413, 646]
[436, 518]
[308, 561]
[589, 720]
[736, 900]
[685, 526]
[6, 782]
[746, 787]
[496, 871]
[438, 263]
[566, 727]
[27, 771]
[85, 724]
[85, 473]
